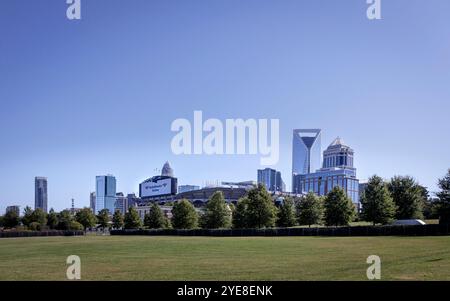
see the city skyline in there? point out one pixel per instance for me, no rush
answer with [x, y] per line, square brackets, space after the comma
[77, 103]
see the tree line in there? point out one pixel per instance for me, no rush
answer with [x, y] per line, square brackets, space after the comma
[382, 202]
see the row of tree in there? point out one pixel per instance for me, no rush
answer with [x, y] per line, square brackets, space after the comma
[403, 198]
[400, 198]
[38, 220]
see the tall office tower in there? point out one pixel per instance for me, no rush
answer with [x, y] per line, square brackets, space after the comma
[271, 179]
[92, 202]
[40, 193]
[306, 156]
[105, 193]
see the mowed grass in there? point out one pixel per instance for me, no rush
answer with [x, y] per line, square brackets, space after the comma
[231, 258]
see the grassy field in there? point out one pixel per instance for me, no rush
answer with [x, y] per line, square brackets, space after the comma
[211, 258]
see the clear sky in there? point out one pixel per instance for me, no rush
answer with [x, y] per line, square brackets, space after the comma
[98, 95]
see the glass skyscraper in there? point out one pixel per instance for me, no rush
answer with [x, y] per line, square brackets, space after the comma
[105, 193]
[40, 193]
[306, 156]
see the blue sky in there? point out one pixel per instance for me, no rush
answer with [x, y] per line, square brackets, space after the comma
[96, 96]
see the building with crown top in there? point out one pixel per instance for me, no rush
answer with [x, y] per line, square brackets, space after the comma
[337, 170]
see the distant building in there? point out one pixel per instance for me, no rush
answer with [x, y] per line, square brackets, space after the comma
[200, 197]
[362, 188]
[306, 156]
[186, 188]
[40, 193]
[73, 210]
[92, 202]
[14, 208]
[337, 170]
[271, 179]
[243, 184]
[144, 209]
[105, 193]
[132, 200]
[121, 203]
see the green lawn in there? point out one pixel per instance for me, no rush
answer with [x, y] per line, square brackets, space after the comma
[213, 258]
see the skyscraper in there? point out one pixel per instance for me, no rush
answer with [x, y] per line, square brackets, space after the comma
[40, 193]
[338, 155]
[337, 170]
[306, 156]
[271, 179]
[92, 200]
[105, 193]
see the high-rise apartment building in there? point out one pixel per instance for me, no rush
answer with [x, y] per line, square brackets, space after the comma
[92, 202]
[40, 193]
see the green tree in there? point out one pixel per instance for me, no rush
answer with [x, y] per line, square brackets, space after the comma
[261, 211]
[155, 219]
[240, 214]
[431, 208]
[339, 209]
[86, 218]
[1, 221]
[408, 196]
[35, 226]
[27, 218]
[52, 219]
[65, 219]
[377, 204]
[103, 218]
[76, 226]
[286, 214]
[217, 213]
[443, 206]
[117, 220]
[310, 210]
[11, 219]
[184, 215]
[132, 219]
[39, 216]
